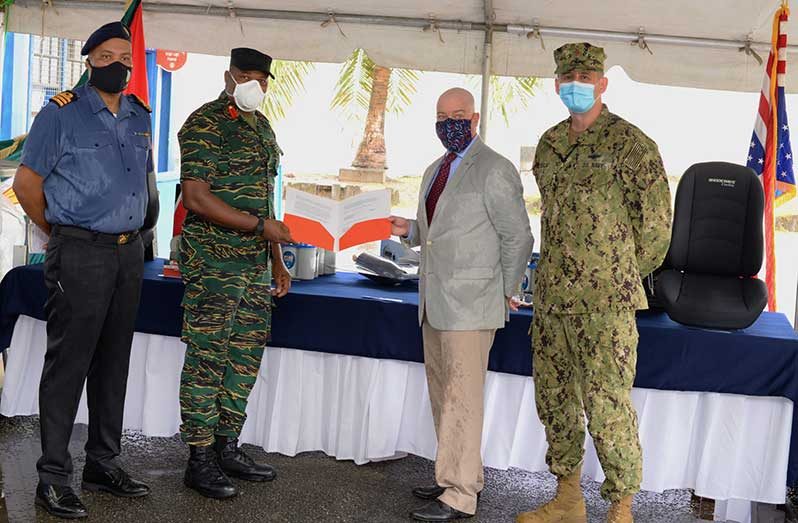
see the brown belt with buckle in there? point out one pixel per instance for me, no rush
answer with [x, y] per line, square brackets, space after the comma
[93, 236]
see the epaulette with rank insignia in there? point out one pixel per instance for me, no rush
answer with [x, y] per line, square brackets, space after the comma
[64, 98]
[137, 99]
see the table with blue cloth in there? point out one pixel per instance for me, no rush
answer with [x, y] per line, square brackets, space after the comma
[351, 315]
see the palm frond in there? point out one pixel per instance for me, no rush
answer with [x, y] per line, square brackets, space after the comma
[288, 83]
[508, 95]
[353, 88]
[401, 88]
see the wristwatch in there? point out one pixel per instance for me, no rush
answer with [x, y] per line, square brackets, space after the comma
[259, 226]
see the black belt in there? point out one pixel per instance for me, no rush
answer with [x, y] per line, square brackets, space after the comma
[93, 236]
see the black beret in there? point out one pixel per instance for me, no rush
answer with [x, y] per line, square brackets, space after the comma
[105, 33]
[246, 59]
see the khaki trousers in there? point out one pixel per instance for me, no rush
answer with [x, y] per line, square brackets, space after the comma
[456, 363]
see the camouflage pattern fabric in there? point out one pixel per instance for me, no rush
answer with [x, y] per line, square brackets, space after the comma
[606, 217]
[227, 273]
[605, 223]
[582, 56]
[585, 363]
[239, 161]
[225, 327]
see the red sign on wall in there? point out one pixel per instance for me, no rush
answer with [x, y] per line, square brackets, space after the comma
[170, 60]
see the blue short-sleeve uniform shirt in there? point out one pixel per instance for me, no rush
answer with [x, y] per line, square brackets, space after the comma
[94, 163]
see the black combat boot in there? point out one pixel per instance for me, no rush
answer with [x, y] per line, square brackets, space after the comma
[235, 462]
[204, 475]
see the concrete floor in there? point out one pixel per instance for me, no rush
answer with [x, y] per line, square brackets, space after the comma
[310, 487]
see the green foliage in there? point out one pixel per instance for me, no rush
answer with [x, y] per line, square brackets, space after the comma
[509, 95]
[353, 89]
[401, 88]
[289, 82]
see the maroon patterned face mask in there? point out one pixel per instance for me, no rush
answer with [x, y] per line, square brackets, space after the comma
[455, 135]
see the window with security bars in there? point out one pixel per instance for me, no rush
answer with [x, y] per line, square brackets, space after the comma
[55, 66]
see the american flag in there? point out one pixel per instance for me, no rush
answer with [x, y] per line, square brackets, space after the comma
[770, 153]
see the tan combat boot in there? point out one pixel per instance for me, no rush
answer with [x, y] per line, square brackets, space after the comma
[621, 511]
[568, 506]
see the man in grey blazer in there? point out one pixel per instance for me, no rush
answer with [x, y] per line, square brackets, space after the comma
[475, 241]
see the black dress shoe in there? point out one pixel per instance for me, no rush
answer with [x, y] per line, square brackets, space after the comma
[438, 511]
[60, 501]
[204, 474]
[235, 462]
[97, 478]
[428, 492]
[431, 492]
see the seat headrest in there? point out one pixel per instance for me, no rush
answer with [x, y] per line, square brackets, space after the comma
[717, 221]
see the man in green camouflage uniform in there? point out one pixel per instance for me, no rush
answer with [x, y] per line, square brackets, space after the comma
[606, 219]
[229, 248]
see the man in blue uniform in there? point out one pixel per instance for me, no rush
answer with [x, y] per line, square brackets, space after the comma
[83, 180]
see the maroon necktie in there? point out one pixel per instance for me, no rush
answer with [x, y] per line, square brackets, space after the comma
[438, 185]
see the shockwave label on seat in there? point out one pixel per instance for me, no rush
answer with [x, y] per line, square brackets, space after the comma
[723, 182]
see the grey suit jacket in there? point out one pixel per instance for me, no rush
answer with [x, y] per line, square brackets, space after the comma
[476, 250]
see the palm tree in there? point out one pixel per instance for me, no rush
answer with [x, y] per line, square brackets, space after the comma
[364, 85]
[290, 82]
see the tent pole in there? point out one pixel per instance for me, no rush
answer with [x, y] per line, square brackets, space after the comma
[484, 109]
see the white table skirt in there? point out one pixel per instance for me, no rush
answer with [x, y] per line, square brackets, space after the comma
[724, 446]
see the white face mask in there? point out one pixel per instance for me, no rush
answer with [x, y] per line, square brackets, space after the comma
[248, 95]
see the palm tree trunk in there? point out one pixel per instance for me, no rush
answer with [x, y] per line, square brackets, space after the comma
[371, 152]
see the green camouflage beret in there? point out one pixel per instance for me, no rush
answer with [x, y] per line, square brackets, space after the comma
[582, 56]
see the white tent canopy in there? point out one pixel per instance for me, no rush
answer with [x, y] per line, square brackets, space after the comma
[692, 43]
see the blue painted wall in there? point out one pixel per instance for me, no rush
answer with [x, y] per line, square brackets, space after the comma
[165, 115]
[14, 100]
[7, 101]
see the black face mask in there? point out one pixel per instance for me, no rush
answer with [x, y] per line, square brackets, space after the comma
[112, 78]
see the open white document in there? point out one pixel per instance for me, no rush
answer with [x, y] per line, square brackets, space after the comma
[338, 225]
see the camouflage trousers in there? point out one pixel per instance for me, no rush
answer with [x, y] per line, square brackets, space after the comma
[584, 364]
[226, 324]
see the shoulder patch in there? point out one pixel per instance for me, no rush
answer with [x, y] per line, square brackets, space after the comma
[64, 98]
[136, 99]
[634, 156]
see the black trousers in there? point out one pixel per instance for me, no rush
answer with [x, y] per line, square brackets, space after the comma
[93, 296]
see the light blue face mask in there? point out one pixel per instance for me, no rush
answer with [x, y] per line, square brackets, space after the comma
[577, 97]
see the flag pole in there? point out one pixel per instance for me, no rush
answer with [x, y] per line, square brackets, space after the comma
[769, 173]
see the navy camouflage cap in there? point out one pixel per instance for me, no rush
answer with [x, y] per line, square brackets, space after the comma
[582, 56]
